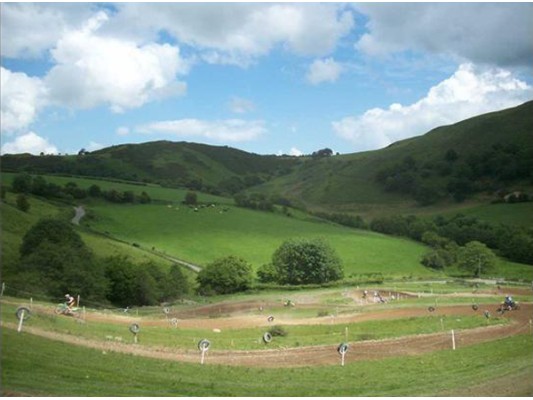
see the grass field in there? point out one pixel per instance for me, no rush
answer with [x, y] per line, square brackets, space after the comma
[58, 369]
[211, 233]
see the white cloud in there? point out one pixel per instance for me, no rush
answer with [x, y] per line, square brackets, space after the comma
[92, 70]
[123, 131]
[237, 33]
[21, 98]
[231, 130]
[28, 30]
[241, 106]
[29, 143]
[295, 152]
[468, 92]
[327, 70]
[493, 33]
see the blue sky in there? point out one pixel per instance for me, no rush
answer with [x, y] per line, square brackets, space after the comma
[269, 78]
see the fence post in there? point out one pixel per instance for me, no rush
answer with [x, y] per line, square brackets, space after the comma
[453, 340]
[3, 288]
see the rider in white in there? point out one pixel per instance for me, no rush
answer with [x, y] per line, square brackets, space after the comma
[70, 301]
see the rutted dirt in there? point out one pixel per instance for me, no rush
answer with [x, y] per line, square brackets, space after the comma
[309, 355]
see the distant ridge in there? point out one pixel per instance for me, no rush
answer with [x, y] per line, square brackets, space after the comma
[487, 154]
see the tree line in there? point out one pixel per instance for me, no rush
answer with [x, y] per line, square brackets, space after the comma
[37, 185]
[54, 260]
[457, 176]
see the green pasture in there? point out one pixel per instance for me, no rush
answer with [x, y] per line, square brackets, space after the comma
[213, 232]
[33, 366]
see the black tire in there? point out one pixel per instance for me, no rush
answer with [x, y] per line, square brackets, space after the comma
[343, 348]
[135, 328]
[19, 311]
[270, 319]
[431, 308]
[203, 345]
[267, 337]
[474, 307]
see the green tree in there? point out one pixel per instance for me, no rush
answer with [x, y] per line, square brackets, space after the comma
[57, 260]
[267, 273]
[95, 191]
[303, 261]
[191, 198]
[22, 183]
[55, 231]
[22, 203]
[144, 198]
[475, 257]
[176, 283]
[225, 275]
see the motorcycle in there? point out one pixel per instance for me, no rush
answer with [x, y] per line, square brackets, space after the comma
[508, 307]
[63, 309]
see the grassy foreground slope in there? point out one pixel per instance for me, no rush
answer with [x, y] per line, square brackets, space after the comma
[60, 370]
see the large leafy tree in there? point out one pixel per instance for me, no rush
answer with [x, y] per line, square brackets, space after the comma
[54, 260]
[304, 261]
[475, 257]
[225, 275]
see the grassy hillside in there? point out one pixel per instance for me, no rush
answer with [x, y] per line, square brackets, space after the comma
[196, 166]
[348, 182]
[217, 229]
[15, 224]
[210, 233]
[492, 152]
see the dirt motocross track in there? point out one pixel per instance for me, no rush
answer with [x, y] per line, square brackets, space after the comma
[312, 355]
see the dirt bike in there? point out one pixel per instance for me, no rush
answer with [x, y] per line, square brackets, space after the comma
[63, 309]
[508, 307]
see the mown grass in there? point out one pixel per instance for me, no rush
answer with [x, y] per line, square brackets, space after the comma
[41, 367]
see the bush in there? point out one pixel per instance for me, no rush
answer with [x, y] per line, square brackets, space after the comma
[278, 330]
[22, 203]
[225, 275]
[306, 261]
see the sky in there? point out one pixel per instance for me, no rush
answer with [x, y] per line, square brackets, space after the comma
[268, 78]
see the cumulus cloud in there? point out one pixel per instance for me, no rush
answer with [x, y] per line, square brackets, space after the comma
[29, 143]
[28, 30]
[491, 33]
[327, 70]
[92, 70]
[21, 98]
[230, 130]
[237, 33]
[468, 92]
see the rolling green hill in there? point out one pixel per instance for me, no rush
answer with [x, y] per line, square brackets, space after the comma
[492, 152]
[196, 166]
[476, 161]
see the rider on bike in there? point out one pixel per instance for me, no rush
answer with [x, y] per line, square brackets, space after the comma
[509, 301]
[70, 302]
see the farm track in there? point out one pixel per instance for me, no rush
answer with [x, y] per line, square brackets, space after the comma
[310, 355]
